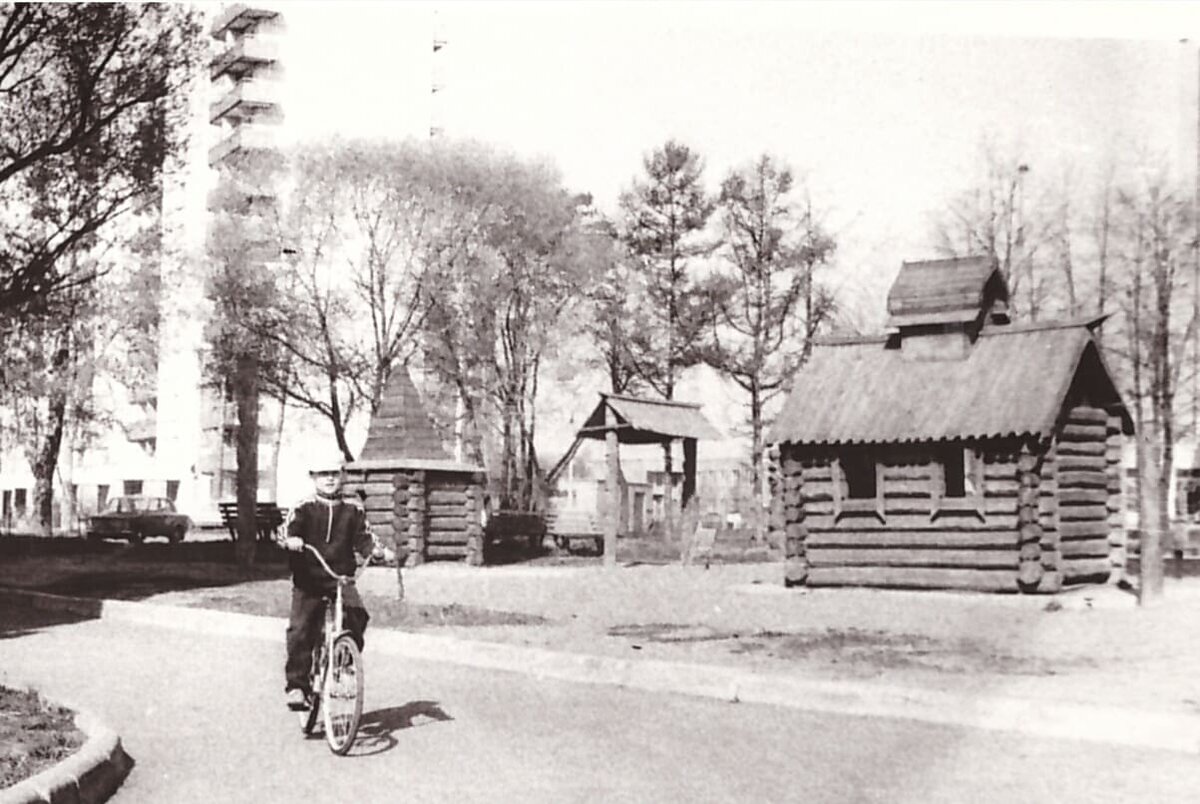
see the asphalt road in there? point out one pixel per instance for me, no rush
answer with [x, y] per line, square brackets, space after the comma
[203, 718]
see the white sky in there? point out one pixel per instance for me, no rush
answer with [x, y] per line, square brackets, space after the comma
[883, 106]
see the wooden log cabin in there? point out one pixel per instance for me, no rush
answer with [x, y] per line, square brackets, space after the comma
[416, 496]
[957, 451]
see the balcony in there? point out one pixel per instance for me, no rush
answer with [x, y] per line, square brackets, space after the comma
[243, 58]
[254, 99]
[239, 18]
[243, 139]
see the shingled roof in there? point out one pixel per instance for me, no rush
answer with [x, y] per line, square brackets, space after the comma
[1013, 382]
[945, 291]
[402, 428]
[648, 421]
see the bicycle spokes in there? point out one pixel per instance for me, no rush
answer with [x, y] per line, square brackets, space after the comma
[343, 694]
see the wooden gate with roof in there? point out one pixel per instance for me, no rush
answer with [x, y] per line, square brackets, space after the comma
[618, 419]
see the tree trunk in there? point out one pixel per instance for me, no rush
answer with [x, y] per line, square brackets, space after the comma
[1151, 519]
[245, 390]
[275, 448]
[756, 458]
[668, 493]
[339, 423]
[47, 456]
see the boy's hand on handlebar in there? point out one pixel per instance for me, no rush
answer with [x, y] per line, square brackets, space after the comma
[293, 543]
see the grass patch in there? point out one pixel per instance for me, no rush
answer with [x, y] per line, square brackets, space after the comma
[34, 735]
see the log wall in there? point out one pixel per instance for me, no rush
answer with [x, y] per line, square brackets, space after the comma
[1084, 495]
[424, 514]
[916, 538]
[1117, 539]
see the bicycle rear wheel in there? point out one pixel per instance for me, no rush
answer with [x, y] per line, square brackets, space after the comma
[342, 694]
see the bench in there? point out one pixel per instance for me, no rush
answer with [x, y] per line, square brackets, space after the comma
[515, 526]
[268, 519]
[573, 526]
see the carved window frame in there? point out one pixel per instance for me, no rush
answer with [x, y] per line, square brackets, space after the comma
[844, 505]
[971, 503]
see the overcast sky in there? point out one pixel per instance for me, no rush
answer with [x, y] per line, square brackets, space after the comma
[883, 106]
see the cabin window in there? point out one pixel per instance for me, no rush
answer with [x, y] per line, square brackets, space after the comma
[858, 467]
[961, 486]
[959, 470]
[858, 484]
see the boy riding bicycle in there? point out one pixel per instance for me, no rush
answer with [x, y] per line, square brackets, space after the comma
[337, 528]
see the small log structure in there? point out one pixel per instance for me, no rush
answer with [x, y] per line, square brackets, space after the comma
[417, 498]
[960, 452]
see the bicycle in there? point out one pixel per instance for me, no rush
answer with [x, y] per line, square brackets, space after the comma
[336, 680]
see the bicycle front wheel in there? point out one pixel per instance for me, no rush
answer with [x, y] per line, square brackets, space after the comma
[342, 694]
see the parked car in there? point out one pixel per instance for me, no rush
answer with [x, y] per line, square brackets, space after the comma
[136, 517]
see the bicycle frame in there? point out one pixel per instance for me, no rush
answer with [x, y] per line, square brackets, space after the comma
[325, 656]
[342, 580]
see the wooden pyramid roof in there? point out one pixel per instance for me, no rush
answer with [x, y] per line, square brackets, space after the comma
[402, 428]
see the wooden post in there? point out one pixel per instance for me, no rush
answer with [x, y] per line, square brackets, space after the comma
[689, 471]
[613, 488]
[474, 506]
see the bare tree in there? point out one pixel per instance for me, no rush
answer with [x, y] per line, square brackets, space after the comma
[769, 303]
[994, 216]
[1158, 320]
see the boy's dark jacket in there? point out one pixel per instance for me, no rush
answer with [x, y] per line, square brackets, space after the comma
[338, 529]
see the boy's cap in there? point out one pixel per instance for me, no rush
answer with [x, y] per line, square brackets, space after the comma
[327, 464]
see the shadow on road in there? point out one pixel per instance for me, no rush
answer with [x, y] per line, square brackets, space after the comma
[17, 620]
[79, 568]
[377, 729]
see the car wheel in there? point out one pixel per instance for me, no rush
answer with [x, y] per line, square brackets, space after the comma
[177, 535]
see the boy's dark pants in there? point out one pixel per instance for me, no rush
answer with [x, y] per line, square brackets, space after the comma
[304, 627]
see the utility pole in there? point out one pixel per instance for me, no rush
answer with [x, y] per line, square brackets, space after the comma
[437, 85]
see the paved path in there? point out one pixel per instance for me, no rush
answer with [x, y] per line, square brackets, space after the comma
[203, 718]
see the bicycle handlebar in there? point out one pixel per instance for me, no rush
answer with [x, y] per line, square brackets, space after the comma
[341, 579]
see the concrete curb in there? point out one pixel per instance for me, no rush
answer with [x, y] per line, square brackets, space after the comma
[1103, 724]
[89, 776]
